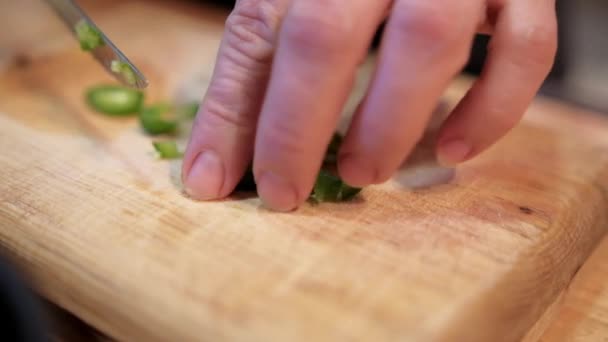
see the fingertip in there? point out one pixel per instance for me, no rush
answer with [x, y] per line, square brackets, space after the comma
[276, 192]
[204, 179]
[355, 171]
[451, 152]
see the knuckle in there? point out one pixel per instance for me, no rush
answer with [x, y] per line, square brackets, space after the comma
[217, 115]
[319, 29]
[426, 21]
[252, 28]
[284, 138]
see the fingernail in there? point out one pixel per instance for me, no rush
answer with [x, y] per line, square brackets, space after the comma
[355, 171]
[452, 152]
[206, 177]
[276, 192]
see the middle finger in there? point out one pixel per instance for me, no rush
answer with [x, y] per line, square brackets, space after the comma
[320, 45]
[425, 44]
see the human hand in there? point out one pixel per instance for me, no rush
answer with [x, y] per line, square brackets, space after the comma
[285, 69]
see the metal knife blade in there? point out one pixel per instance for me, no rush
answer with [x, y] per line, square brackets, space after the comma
[105, 54]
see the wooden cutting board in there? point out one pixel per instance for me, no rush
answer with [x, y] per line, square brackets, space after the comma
[583, 313]
[104, 231]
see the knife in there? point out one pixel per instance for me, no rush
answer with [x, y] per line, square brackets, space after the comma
[110, 57]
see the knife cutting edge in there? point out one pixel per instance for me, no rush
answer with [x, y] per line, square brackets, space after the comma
[111, 58]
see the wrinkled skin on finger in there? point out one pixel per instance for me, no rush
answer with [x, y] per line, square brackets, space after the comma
[285, 69]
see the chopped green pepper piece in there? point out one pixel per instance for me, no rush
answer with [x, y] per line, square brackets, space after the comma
[89, 37]
[114, 100]
[331, 156]
[167, 149]
[124, 69]
[158, 119]
[330, 188]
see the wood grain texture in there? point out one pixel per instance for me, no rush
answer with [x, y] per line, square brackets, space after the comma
[583, 314]
[106, 233]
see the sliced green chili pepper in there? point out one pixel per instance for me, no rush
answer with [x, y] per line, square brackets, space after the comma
[124, 69]
[330, 188]
[158, 119]
[114, 100]
[167, 149]
[331, 156]
[89, 37]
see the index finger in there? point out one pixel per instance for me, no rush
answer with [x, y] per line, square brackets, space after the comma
[319, 48]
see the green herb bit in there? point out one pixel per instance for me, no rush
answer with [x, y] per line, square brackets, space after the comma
[89, 37]
[158, 119]
[124, 69]
[167, 149]
[330, 188]
[114, 100]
